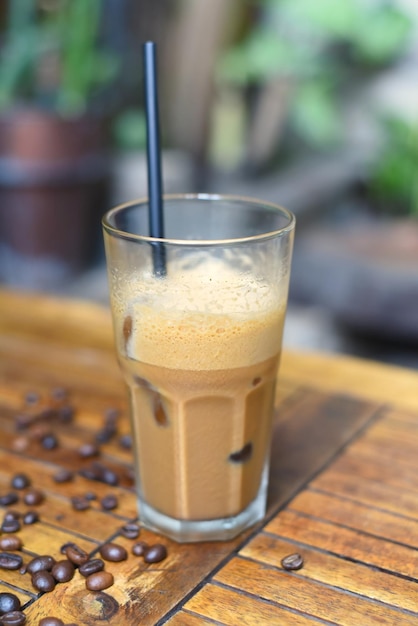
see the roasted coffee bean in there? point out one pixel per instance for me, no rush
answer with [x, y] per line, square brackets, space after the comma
[155, 553]
[59, 393]
[113, 552]
[91, 567]
[34, 497]
[76, 554]
[10, 526]
[80, 503]
[108, 503]
[32, 397]
[66, 413]
[66, 545]
[9, 560]
[125, 441]
[63, 571]
[10, 515]
[106, 434]
[10, 542]
[99, 581]
[292, 562]
[13, 618]
[43, 581]
[9, 498]
[40, 563]
[130, 530]
[8, 602]
[90, 495]
[63, 476]
[87, 450]
[243, 455]
[51, 621]
[30, 517]
[139, 548]
[110, 477]
[49, 441]
[20, 481]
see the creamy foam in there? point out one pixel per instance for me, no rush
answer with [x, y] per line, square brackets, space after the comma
[217, 319]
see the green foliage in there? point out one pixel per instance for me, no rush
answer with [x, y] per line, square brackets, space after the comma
[393, 178]
[129, 130]
[53, 57]
[321, 44]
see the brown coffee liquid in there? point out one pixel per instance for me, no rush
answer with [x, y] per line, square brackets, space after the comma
[202, 437]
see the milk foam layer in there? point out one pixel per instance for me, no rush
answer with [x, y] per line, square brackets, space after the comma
[217, 319]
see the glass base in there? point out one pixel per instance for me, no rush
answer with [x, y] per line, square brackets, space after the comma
[221, 529]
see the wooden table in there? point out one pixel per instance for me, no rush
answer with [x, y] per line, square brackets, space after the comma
[343, 492]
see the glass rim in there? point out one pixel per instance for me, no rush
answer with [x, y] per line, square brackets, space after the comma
[123, 234]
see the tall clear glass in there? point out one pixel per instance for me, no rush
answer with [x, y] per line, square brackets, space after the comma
[198, 319]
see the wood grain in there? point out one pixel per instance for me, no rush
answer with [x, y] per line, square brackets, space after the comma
[335, 447]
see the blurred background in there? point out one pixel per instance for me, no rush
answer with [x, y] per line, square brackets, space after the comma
[308, 103]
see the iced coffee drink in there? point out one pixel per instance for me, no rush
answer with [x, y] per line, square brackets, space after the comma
[199, 348]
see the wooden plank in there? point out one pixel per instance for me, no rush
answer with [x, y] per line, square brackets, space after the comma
[336, 572]
[366, 461]
[356, 516]
[346, 543]
[326, 422]
[235, 608]
[183, 618]
[375, 382]
[307, 596]
[369, 492]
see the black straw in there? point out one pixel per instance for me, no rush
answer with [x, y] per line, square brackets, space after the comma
[155, 199]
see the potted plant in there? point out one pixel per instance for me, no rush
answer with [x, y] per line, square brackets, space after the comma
[54, 72]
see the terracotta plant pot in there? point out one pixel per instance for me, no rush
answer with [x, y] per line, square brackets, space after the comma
[53, 179]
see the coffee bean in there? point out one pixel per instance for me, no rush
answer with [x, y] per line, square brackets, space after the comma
[33, 497]
[76, 554]
[90, 495]
[30, 517]
[59, 393]
[292, 562]
[125, 441]
[155, 553]
[9, 498]
[130, 530]
[87, 450]
[43, 581]
[66, 545]
[51, 621]
[110, 477]
[66, 413]
[20, 481]
[108, 503]
[243, 455]
[8, 560]
[10, 542]
[113, 552]
[99, 581]
[49, 441]
[106, 434]
[91, 567]
[10, 526]
[8, 602]
[139, 548]
[13, 618]
[63, 571]
[32, 397]
[10, 515]
[63, 476]
[40, 563]
[80, 503]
